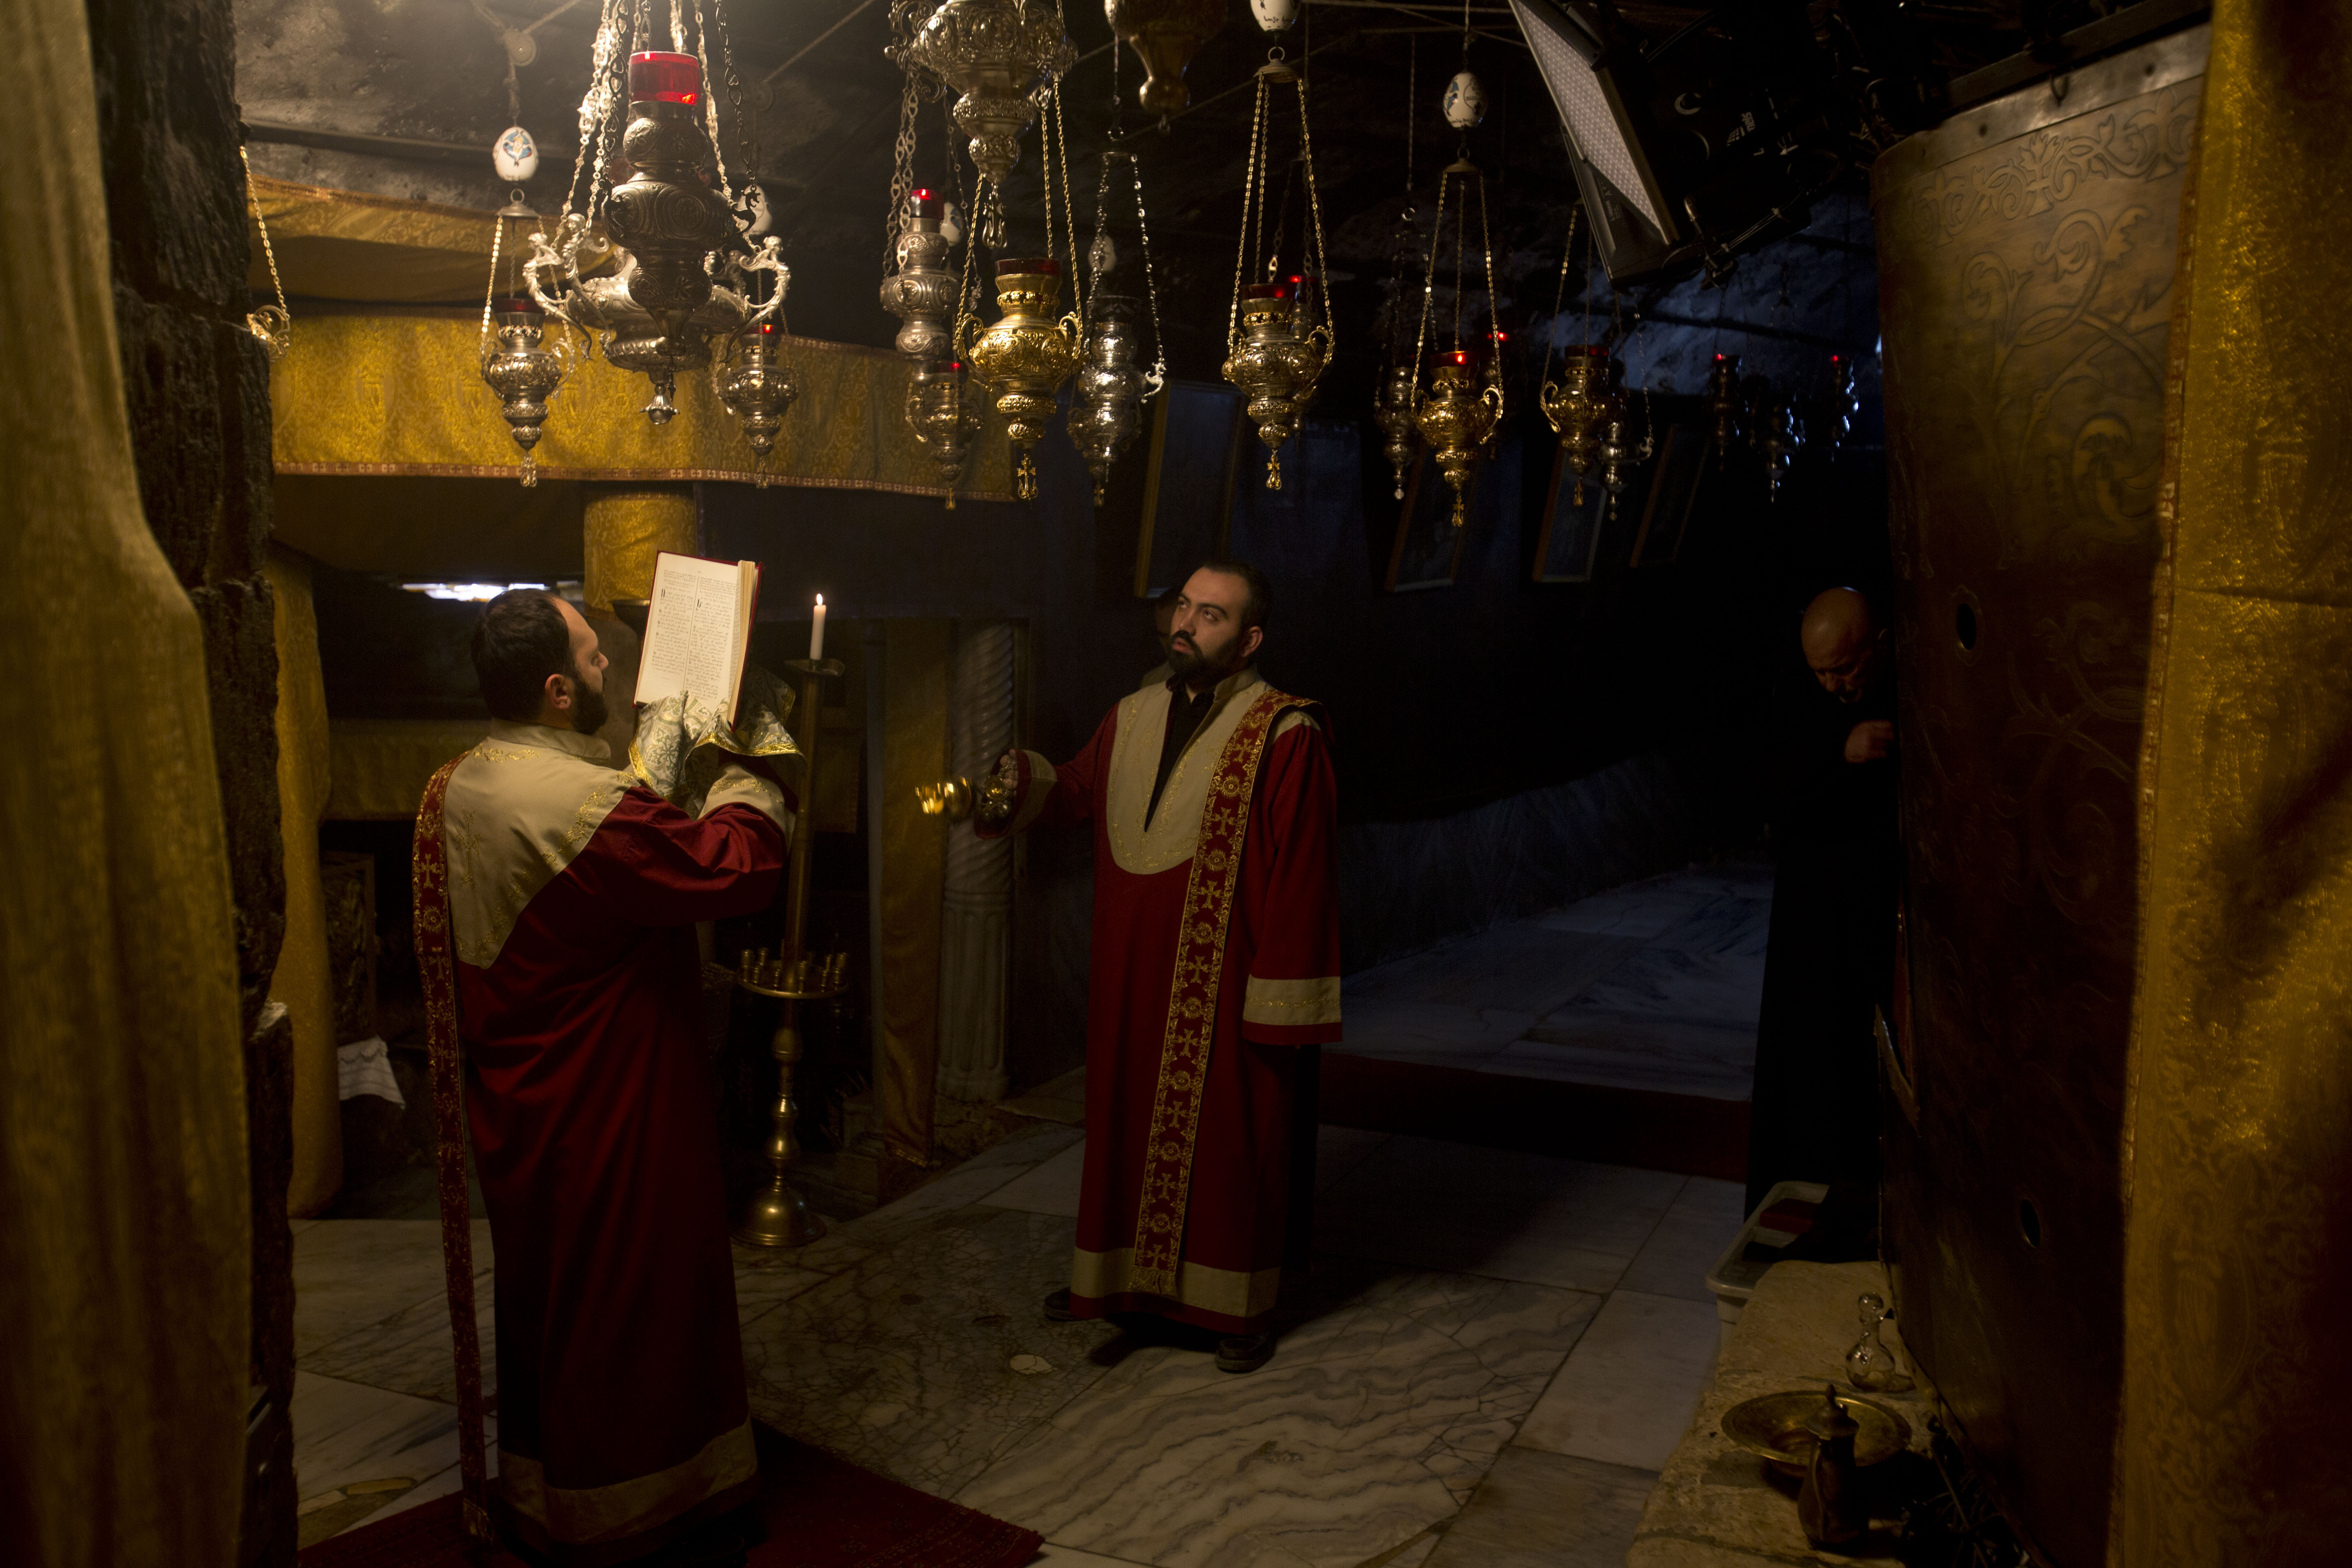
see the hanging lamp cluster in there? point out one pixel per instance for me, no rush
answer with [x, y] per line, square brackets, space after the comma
[659, 269]
[1278, 336]
[1463, 408]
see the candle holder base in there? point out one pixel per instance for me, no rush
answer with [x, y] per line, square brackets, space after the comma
[778, 1215]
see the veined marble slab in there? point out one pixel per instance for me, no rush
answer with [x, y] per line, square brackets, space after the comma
[906, 1364]
[347, 1432]
[1627, 1391]
[1723, 928]
[1690, 1241]
[1527, 966]
[1053, 1187]
[1493, 1212]
[1389, 1395]
[1546, 1511]
[352, 1274]
[1667, 982]
[1441, 1033]
[411, 1351]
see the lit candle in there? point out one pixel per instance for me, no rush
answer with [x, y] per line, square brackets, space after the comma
[816, 632]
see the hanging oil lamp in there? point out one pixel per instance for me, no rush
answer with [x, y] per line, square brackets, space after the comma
[945, 418]
[1459, 414]
[1778, 436]
[1275, 368]
[1165, 35]
[1003, 58]
[1724, 404]
[1621, 451]
[1278, 338]
[922, 293]
[1393, 414]
[1107, 403]
[1026, 356]
[755, 386]
[1577, 408]
[525, 372]
[661, 266]
[1456, 419]
[1838, 407]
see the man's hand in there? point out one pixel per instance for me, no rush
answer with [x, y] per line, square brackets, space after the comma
[1870, 741]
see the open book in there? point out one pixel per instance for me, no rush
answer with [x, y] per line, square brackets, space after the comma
[697, 630]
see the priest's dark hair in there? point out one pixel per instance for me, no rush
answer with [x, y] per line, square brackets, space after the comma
[519, 641]
[1260, 607]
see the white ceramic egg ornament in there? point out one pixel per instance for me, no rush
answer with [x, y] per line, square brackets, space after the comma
[514, 155]
[1275, 15]
[951, 223]
[1465, 100]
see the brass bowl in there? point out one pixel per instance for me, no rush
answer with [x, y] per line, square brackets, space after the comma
[1773, 1426]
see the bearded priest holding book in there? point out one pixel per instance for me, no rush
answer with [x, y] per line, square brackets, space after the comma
[1215, 974]
[556, 904]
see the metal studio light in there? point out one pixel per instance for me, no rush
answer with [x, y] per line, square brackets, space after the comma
[675, 233]
[1279, 337]
[922, 293]
[1003, 58]
[1026, 354]
[1456, 419]
[755, 386]
[945, 418]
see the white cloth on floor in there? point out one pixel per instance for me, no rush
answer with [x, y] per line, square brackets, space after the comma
[362, 1067]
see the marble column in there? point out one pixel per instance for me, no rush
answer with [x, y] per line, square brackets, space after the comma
[976, 944]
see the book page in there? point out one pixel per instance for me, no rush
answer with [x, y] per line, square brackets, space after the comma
[747, 610]
[691, 640]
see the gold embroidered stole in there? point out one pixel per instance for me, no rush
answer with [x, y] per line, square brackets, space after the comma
[429, 870]
[1192, 1000]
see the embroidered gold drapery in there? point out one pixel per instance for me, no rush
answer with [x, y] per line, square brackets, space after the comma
[2238, 1175]
[399, 391]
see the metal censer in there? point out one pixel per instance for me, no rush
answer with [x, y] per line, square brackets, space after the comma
[1026, 356]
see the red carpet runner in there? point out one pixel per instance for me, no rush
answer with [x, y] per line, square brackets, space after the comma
[819, 1511]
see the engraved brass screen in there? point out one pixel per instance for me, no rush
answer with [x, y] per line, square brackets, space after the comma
[2026, 257]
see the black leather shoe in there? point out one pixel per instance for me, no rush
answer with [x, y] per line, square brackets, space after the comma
[1244, 1353]
[1058, 1307]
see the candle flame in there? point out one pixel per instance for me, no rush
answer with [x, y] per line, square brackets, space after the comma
[820, 598]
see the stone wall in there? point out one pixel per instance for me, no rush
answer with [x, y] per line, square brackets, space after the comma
[197, 388]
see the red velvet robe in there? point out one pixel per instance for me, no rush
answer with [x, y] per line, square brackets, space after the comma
[1277, 989]
[573, 897]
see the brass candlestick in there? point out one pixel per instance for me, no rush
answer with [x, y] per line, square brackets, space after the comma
[778, 1214]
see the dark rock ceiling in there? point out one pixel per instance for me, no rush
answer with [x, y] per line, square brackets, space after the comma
[825, 124]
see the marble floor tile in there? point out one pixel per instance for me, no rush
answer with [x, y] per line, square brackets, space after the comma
[1640, 910]
[1062, 1099]
[907, 1362]
[1412, 1554]
[1440, 1034]
[351, 1273]
[1055, 1556]
[1669, 983]
[1338, 1150]
[410, 1351]
[1547, 1511]
[1509, 1215]
[1390, 1394]
[1051, 1187]
[1628, 1389]
[1688, 1241]
[1666, 1056]
[1525, 967]
[967, 1184]
[348, 1432]
[1723, 928]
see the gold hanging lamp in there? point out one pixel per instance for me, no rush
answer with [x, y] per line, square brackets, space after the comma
[1026, 356]
[1005, 58]
[1459, 414]
[1279, 335]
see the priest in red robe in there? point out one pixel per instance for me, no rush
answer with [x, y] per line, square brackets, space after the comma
[1215, 972]
[562, 899]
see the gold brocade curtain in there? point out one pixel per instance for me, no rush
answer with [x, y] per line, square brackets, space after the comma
[403, 394]
[2238, 1264]
[125, 1239]
[303, 980]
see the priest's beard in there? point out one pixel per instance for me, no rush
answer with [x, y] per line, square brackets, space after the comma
[588, 711]
[1188, 663]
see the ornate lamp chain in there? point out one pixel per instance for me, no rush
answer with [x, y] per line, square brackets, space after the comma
[1249, 183]
[1150, 281]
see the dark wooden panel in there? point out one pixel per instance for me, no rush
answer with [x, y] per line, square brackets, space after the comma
[2026, 255]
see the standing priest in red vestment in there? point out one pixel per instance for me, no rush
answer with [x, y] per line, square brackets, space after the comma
[563, 898]
[1215, 960]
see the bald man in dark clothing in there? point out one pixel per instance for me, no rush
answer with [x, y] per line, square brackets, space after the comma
[1831, 950]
